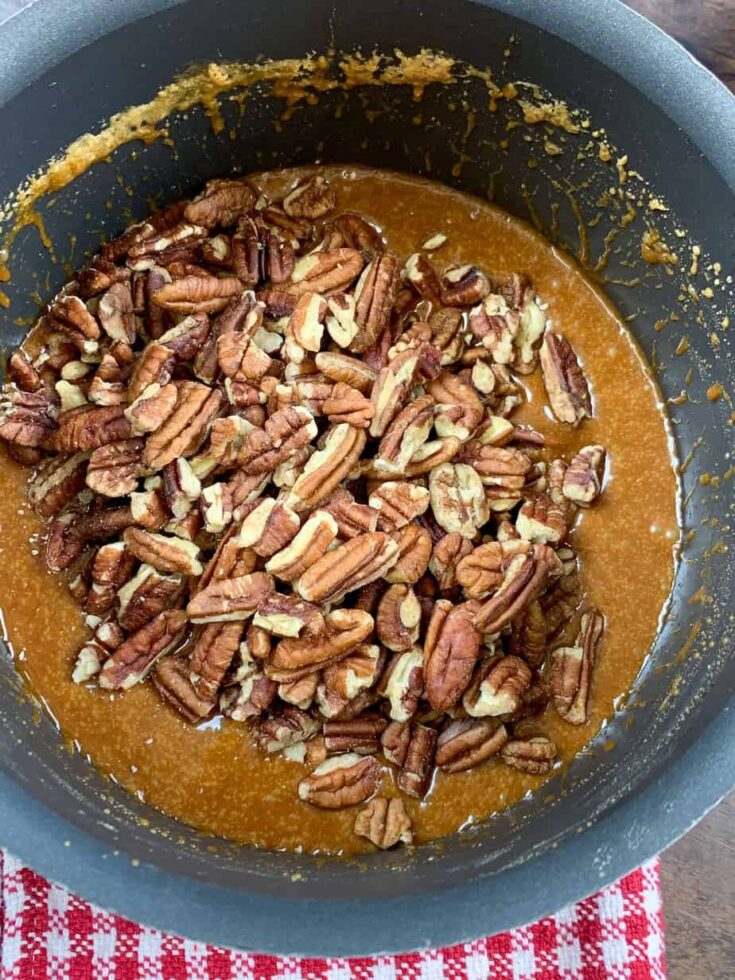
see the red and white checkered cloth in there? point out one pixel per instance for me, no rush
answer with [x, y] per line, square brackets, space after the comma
[49, 933]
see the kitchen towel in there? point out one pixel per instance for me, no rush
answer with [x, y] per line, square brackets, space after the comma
[49, 934]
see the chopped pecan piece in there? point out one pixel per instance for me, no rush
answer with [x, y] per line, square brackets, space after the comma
[496, 326]
[384, 822]
[27, 418]
[392, 389]
[181, 487]
[524, 578]
[415, 774]
[498, 688]
[307, 547]
[423, 277]
[230, 598]
[113, 470]
[582, 481]
[146, 595]
[541, 520]
[132, 660]
[348, 567]
[305, 327]
[313, 199]
[349, 370]
[532, 755]
[458, 499]
[115, 312]
[215, 506]
[398, 503]
[414, 551]
[185, 429]
[571, 670]
[22, 373]
[327, 467]
[405, 435]
[446, 555]
[394, 741]
[355, 673]
[398, 618]
[149, 510]
[167, 554]
[300, 692]
[402, 684]
[566, 384]
[70, 315]
[345, 780]
[345, 630]
[467, 742]
[248, 699]
[56, 482]
[360, 735]
[451, 649]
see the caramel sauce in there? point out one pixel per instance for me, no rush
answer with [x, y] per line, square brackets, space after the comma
[213, 777]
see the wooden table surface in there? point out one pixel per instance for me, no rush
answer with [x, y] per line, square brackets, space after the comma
[698, 873]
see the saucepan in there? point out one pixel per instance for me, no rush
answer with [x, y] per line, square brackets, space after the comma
[584, 73]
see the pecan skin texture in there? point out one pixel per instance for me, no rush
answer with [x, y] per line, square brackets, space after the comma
[230, 598]
[346, 780]
[415, 774]
[571, 670]
[361, 735]
[566, 384]
[345, 630]
[533, 755]
[582, 483]
[525, 578]
[414, 550]
[348, 567]
[171, 679]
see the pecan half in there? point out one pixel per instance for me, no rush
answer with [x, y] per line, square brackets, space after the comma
[348, 567]
[221, 203]
[185, 429]
[352, 518]
[451, 649]
[531, 755]
[307, 547]
[89, 427]
[286, 431]
[375, 294]
[248, 699]
[405, 435]
[345, 630]
[458, 499]
[285, 615]
[459, 410]
[345, 780]
[113, 470]
[230, 598]
[525, 577]
[528, 635]
[70, 315]
[392, 388]
[566, 385]
[211, 657]
[398, 503]
[398, 618]
[360, 735]
[181, 487]
[110, 569]
[402, 684]
[468, 742]
[154, 366]
[327, 467]
[300, 692]
[146, 595]
[288, 726]
[132, 660]
[498, 688]
[414, 551]
[463, 285]
[268, 528]
[346, 404]
[171, 679]
[582, 481]
[115, 312]
[107, 638]
[446, 555]
[305, 327]
[349, 370]
[56, 482]
[482, 570]
[355, 673]
[541, 520]
[167, 554]
[313, 199]
[415, 774]
[571, 670]
[151, 408]
[27, 418]
[323, 272]
[197, 294]
[384, 822]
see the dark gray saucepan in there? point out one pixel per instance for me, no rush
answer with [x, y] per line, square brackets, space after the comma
[65, 68]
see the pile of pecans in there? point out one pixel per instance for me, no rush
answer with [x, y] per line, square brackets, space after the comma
[284, 482]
